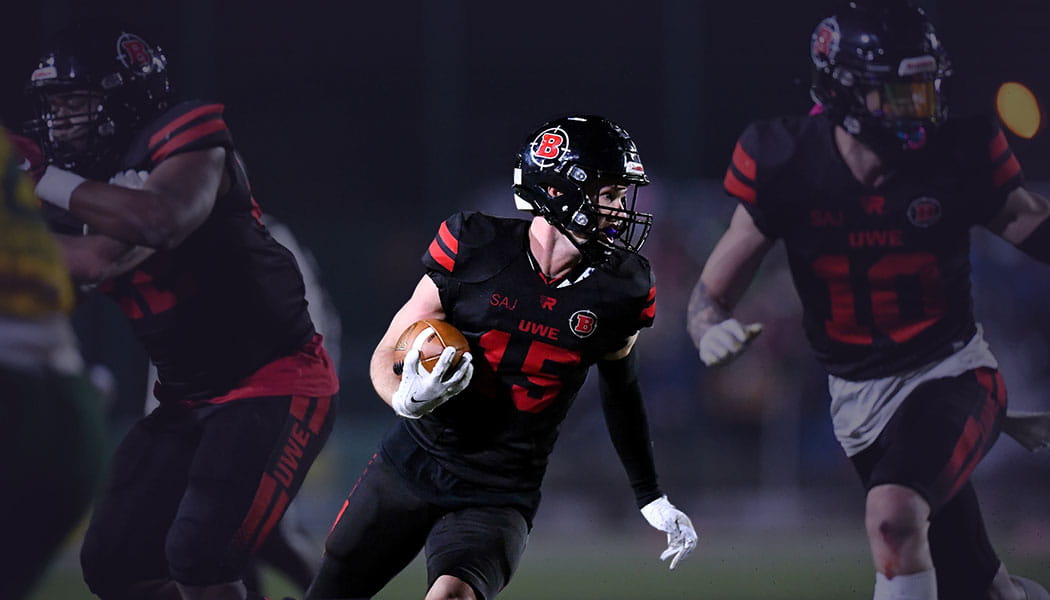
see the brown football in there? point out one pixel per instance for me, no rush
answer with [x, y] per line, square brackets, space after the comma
[442, 335]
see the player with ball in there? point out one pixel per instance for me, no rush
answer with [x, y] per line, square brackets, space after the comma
[538, 302]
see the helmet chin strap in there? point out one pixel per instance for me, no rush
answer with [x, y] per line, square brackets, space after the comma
[889, 143]
[591, 251]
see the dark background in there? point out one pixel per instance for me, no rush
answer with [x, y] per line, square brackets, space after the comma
[363, 124]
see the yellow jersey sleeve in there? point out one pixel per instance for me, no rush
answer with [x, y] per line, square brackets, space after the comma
[34, 281]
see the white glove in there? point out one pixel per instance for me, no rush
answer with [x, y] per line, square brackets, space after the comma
[725, 340]
[421, 392]
[681, 537]
[130, 179]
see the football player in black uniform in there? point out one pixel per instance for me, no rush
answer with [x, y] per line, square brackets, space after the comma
[245, 386]
[540, 302]
[874, 198]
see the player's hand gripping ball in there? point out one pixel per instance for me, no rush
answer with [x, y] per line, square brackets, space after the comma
[441, 335]
[432, 359]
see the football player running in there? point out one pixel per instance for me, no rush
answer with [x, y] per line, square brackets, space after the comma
[874, 198]
[245, 386]
[540, 301]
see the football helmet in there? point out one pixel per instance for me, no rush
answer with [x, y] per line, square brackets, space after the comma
[93, 86]
[577, 156]
[880, 71]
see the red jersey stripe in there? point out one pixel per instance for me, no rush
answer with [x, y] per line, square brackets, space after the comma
[739, 189]
[201, 111]
[1007, 171]
[441, 257]
[649, 312]
[997, 146]
[187, 137]
[450, 240]
[744, 163]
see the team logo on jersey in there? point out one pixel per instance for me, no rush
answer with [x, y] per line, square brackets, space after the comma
[924, 211]
[133, 52]
[583, 323]
[548, 146]
[824, 44]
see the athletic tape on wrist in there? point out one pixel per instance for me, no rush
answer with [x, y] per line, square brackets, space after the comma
[57, 185]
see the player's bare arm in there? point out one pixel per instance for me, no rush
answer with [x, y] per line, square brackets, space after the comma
[174, 201]
[425, 303]
[1022, 218]
[725, 277]
[93, 259]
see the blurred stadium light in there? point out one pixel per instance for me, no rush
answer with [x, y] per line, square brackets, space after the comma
[1018, 109]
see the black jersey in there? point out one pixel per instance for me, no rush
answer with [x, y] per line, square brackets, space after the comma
[883, 273]
[229, 298]
[533, 342]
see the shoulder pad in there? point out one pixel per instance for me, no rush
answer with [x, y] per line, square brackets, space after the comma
[979, 145]
[185, 127]
[763, 149]
[634, 281]
[472, 246]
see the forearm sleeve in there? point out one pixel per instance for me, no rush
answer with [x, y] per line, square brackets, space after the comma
[628, 425]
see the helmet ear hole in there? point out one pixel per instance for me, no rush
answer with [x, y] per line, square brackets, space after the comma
[575, 156]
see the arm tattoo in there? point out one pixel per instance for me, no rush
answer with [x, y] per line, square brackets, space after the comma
[703, 312]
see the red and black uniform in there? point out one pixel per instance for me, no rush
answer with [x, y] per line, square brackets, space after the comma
[883, 274]
[532, 341]
[476, 463]
[229, 298]
[245, 386]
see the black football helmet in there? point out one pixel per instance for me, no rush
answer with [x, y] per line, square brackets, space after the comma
[577, 156]
[880, 72]
[119, 79]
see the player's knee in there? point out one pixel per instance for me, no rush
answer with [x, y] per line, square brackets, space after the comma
[448, 587]
[193, 563]
[895, 517]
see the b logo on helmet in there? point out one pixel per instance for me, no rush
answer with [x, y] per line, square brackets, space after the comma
[825, 42]
[134, 52]
[549, 145]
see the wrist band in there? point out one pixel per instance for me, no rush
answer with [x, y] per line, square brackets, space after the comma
[57, 185]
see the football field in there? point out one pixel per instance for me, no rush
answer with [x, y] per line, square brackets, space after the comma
[822, 565]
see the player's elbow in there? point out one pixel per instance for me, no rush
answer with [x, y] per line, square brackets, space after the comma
[165, 230]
